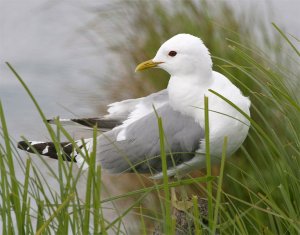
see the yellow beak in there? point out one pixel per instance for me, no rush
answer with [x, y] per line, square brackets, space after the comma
[147, 65]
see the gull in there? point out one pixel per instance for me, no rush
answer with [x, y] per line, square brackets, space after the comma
[129, 138]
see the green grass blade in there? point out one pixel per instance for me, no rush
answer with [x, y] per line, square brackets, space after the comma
[40, 215]
[5, 207]
[219, 189]
[208, 164]
[196, 216]
[168, 219]
[90, 179]
[25, 192]
[99, 187]
[143, 225]
[286, 38]
[14, 183]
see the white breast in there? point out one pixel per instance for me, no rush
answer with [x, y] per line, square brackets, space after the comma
[224, 120]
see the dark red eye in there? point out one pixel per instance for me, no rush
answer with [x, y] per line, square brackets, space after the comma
[172, 53]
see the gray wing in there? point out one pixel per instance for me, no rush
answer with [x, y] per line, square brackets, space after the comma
[141, 148]
[121, 110]
[118, 112]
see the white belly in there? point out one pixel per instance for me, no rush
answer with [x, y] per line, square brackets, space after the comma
[224, 120]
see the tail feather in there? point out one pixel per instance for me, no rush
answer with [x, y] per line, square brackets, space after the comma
[69, 152]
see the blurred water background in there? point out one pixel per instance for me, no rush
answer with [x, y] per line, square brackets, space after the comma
[64, 63]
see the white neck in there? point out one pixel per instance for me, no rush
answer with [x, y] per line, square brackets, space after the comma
[187, 92]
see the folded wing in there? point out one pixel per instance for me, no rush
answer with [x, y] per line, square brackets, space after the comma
[140, 149]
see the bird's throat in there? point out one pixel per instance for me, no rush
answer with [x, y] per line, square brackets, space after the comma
[187, 93]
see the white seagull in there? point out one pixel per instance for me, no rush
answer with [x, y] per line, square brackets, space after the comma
[129, 141]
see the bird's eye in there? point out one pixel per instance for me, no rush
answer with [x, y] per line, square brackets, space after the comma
[172, 53]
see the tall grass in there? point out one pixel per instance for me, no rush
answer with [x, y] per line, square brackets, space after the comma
[257, 192]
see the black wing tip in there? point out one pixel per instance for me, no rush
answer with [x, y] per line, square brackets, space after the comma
[23, 145]
[50, 120]
[40, 147]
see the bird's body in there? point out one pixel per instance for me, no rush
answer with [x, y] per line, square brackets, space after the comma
[133, 142]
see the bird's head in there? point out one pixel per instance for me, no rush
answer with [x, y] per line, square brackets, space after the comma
[183, 54]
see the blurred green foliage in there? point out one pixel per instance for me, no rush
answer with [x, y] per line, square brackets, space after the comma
[150, 23]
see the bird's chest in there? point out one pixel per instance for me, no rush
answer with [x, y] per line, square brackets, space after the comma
[188, 99]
